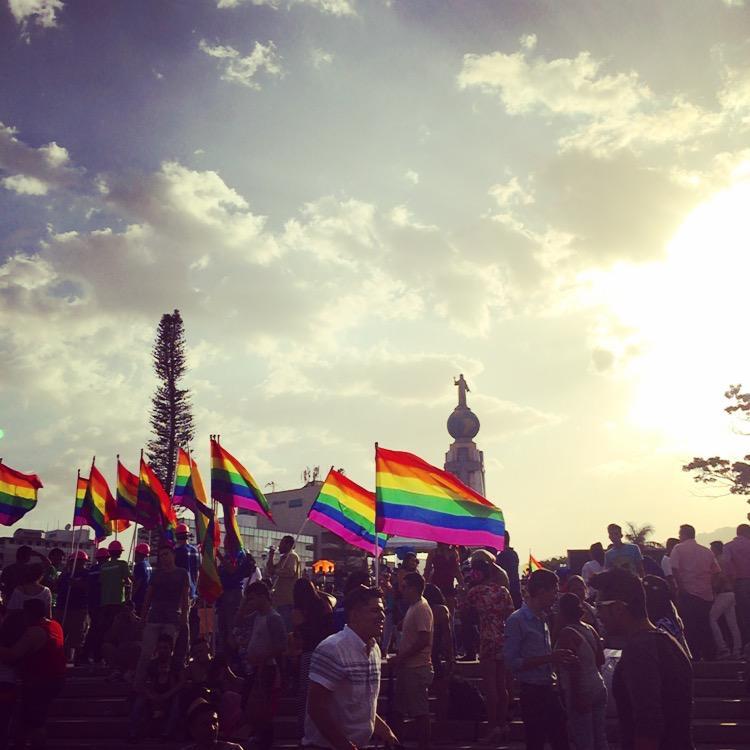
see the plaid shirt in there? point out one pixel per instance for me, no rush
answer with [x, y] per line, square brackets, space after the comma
[186, 556]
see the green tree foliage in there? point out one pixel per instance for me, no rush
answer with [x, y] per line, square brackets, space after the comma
[171, 409]
[734, 476]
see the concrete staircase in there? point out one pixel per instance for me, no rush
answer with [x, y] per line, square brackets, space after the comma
[93, 713]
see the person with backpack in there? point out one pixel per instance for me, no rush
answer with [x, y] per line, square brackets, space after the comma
[582, 683]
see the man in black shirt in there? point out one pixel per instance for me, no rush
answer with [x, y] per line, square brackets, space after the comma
[653, 682]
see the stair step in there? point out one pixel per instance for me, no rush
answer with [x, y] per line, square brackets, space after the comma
[86, 708]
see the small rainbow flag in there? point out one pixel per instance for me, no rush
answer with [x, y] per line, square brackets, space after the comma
[232, 484]
[347, 510]
[95, 503]
[80, 515]
[417, 500]
[534, 564]
[17, 494]
[209, 582]
[126, 493]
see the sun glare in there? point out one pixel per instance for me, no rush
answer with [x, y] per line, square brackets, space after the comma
[677, 327]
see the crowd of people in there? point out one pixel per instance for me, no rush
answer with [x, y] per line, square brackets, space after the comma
[211, 676]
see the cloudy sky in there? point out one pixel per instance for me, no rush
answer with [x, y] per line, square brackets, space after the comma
[354, 201]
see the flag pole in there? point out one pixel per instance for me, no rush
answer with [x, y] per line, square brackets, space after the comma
[377, 545]
[75, 545]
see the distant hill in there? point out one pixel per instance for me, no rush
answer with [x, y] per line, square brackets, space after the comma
[725, 534]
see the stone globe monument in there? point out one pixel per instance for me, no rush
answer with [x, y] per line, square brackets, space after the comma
[463, 458]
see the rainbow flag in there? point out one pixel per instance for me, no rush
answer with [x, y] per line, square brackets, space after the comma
[80, 516]
[209, 583]
[182, 488]
[95, 504]
[190, 493]
[347, 510]
[421, 501]
[17, 494]
[154, 507]
[126, 494]
[534, 564]
[232, 484]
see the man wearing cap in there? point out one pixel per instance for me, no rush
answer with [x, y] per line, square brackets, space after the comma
[141, 576]
[113, 579]
[187, 557]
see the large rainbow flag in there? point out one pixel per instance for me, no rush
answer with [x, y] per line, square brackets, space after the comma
[232, 484]
[126, 493]
[154, 506]
[347, 510]
[417, 500]
[95, 503]
[17, 494]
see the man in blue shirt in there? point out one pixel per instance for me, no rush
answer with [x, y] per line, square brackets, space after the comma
[621, 554]
[529, 655]
[141, 576]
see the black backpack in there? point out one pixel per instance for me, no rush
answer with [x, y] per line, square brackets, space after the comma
[466, 702]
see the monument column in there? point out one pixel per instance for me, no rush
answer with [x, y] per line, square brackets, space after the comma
[463, 458]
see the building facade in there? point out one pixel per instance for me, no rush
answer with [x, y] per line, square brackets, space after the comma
[43, 542]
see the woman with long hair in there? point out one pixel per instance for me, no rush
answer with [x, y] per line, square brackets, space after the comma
[494, 604]
[312, 617]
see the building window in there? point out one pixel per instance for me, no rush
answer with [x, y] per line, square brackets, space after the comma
[296, 502]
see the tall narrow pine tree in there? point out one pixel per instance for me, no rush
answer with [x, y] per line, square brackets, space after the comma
[171, 410]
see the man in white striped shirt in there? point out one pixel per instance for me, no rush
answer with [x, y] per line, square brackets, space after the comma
[345, 680]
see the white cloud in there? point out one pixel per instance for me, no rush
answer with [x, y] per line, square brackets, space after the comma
[320, 58]
[24, 185]
[34, 171]
[511, 193]
[619, 110]
[411, 176]
[243, 70]
[28, 13]
[330, 7]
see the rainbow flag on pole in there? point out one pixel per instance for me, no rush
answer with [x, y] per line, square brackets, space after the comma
[417, 500]
[17, 494]
[347, 510]
[232, 484]
[80, 516]
[95, 504]
[190, 493]
[154, 506]
[534, 564]
[126, 494]
[209, 583]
